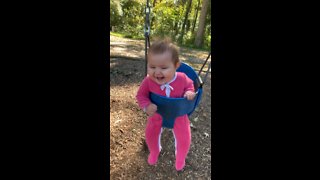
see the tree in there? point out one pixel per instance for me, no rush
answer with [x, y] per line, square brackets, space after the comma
[185, 21]
[115, 12]
[202, 20]
[195, 19]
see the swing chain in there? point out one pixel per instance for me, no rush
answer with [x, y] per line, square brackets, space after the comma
[147, 22]
[209, 67]
[147, 33]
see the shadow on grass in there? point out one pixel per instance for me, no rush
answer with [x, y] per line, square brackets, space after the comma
[124, 71]
[131, 70]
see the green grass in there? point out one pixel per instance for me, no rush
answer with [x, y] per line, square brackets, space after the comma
[116, 34]
[126, 35]
[193, 47]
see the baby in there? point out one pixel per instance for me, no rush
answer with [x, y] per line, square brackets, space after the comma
[162, 79]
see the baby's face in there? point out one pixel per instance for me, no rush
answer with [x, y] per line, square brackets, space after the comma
[161, 68]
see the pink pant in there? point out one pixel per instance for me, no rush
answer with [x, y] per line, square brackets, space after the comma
[181, 131]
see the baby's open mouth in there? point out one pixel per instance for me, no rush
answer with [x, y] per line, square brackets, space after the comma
[159, 78]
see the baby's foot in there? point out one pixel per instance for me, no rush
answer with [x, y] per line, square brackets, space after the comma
[180, 164]
[153, 158]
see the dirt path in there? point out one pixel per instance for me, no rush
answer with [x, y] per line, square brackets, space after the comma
[123, 47]
[128, 153]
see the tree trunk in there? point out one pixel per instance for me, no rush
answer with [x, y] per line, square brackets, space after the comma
[195, 19]
[154, 3]
[202, 20]
[185, 21]
[177, 23]
[188, 26]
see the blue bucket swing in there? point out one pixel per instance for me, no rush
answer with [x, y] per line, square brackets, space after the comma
[171, 108]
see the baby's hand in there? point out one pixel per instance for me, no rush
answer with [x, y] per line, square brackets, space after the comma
[189, 95]
[151, 109]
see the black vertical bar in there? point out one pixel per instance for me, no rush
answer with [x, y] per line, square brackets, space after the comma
[146, 35]
[146, 57]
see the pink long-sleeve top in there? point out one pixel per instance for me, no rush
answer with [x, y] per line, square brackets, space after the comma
[179, 85]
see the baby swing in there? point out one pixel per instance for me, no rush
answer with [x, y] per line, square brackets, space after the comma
[171, 108]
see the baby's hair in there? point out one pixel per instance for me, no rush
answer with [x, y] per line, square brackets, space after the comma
[161, 46]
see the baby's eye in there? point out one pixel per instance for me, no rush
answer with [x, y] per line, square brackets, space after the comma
[164, 68]
[152, 67]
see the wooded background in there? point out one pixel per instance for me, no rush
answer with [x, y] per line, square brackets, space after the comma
[186, 22]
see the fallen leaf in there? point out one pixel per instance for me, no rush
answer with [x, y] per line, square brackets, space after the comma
[196, 119]
[206, 134]
[192, 126]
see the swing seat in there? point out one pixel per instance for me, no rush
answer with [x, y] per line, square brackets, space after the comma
[171, 108]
